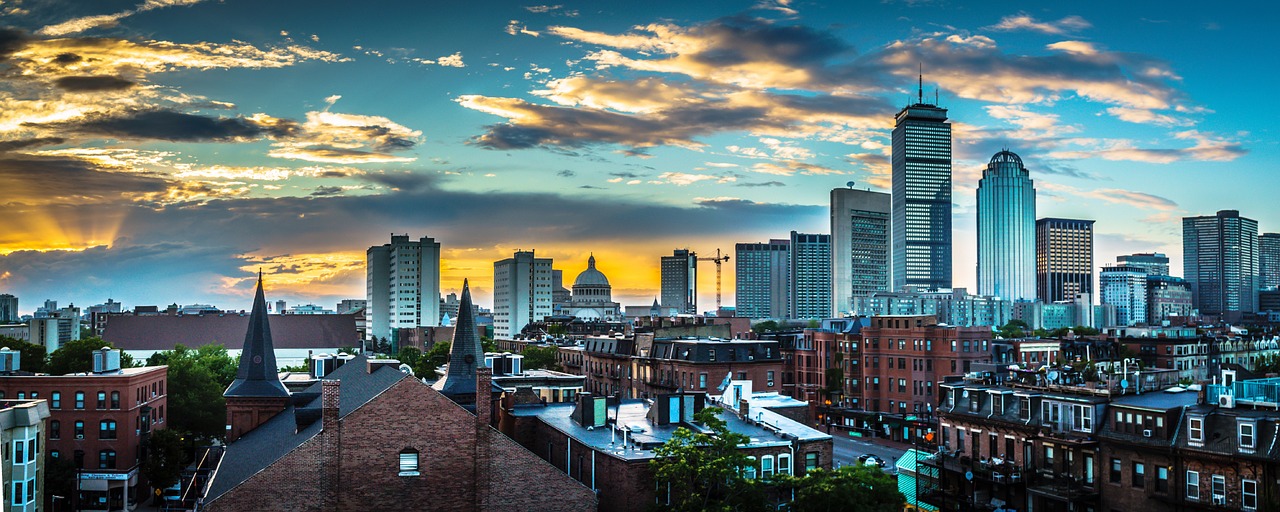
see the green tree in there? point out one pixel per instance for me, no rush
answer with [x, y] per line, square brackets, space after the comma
[765, 326]
[409, 356]
[32, 358]
[1268, 364]
[488, 345]
[557, 329]
[433, 358]
[704, 471]
[166, 457]
[1085, 331]
[859, 487]
[1014, 329]
[536, 357]
[197, 379]
[77, 356]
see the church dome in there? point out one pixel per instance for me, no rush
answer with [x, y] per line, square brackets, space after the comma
[591, 276]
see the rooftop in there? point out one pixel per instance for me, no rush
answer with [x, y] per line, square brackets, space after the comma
[1159, 400]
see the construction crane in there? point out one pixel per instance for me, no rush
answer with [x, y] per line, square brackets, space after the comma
[718, 259]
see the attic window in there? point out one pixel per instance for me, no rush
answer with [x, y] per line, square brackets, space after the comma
[408, 462]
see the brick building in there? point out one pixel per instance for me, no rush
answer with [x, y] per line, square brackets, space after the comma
[99, 420]
[639, 366]
[608, 444]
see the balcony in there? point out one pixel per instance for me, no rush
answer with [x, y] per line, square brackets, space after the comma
[1061, 487]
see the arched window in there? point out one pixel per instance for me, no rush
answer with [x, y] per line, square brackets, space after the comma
[409, 462]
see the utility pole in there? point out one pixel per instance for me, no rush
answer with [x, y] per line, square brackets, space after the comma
[718, 259]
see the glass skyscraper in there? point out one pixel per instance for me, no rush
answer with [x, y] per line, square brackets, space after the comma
[1006, 229]
[680, 281]
[921, 197]
[762, 284]
[1269, 260]
[810, 276]
[1220, 262]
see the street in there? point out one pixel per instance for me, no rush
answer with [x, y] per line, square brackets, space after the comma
[847, 449]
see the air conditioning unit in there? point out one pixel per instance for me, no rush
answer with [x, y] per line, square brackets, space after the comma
[1219, 499]
[1227, 400]
[79, 436]
[1146, 433]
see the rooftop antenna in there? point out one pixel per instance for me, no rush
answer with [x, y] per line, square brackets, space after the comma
[935, 95]
[920, 85]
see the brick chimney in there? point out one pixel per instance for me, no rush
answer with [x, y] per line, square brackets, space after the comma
[484, 410]
[484, 395]
[744, 409]
[329, 402]
[330, 444]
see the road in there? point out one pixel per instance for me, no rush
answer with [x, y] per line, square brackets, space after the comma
[847, 449]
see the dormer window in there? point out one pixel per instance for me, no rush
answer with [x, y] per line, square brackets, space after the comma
[1195, 429]
[1245, 431]
[408, 462]
[975, 402]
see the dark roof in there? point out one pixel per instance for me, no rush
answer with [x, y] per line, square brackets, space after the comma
[701, 350]
[280, 435]
[257, 375]
[465, 354]
[1220, 432]
[162, 332]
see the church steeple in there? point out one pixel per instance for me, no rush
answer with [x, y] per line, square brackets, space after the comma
[257, 375]
[465, 354]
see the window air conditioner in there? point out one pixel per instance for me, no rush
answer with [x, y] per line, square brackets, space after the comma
[1146, 433]
[1219, 499]
[79, 436]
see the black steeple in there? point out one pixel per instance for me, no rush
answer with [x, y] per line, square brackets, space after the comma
[465, 354]
[257, 375]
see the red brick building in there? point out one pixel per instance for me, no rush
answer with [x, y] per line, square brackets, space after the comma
[99, 421]
[639, 366]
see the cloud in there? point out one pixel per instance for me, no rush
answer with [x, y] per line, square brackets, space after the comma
[174, 126]
[566, 173]
[82, 24]
[42, 180]
[120, 57]
[782, 7]
[1065, 25]
[451, 61]
[684, 179]
[332, 137]
[1144, 116]
[762, 184]
[1076, 47]
[1140, 200]
[1205, 147]
[92, 83]
[515, 27]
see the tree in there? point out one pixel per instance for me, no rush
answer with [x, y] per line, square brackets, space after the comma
[1081, 330]
[432, 359]
[1014, 329]
[32, 357]
[409, 356]
[765, 326]
[860, 487]
[488, 345]
[705, 471]
[1268, 364]
[536, 357]
[557, 329]
[77, 356]
[197, 379]
[166, 457]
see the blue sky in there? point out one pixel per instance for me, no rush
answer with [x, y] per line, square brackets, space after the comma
[163, 151]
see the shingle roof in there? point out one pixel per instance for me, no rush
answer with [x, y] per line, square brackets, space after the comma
[257, 374]
[162, 332]
[465, 354]
[272, 440]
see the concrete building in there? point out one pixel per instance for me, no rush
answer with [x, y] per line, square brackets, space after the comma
[22, 472]
[810, 276]
[8, 309]
[952, 307]
[1064, 258]
[521, 292]
[560, 296]
[861, 243]
[52, 328]
[348, 305]
[1153, 263]
[1006, 229]
[761, 279]
[680, 281]
[1268, 261]
[402, 285]
[1168, 297]
[1220, 262]
[921, 160]
[1126, 289]
[592, 298]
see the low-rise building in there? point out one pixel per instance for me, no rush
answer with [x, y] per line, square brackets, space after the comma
[23, 426]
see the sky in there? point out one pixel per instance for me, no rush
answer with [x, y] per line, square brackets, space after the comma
[164, 151]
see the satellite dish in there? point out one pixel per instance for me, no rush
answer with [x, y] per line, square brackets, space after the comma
[849, 184]
[1053, 376]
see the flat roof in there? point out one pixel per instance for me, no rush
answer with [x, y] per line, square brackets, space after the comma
[1160, 400]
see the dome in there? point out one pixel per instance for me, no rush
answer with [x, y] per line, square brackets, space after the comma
[1006, 156]
[591, 276]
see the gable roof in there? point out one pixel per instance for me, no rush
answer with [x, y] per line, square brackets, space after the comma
[280, 435]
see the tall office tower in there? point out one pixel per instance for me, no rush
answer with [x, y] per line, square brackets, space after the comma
[860, 245]
[1006, 229]
[680, 281]
[1268, 261]
[810, 276]
[521, 293]
[8, 309]
[1064, 259]
[1126, 289]
[1154, 263]
[921, 196]
[402, 285]
[1220, 262]
[762, 286]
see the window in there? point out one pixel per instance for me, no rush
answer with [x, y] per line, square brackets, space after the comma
[79, 399]
[31, 450]
[784, 464]
[102, 399]
[769, 377]
[107, 459]
[408, 462]
[1193, 485]
[1115, 471]
[19, 451]
[1219, 487]
[1195, 429]
[55, 400]
[1082, 420]
[55, 429]
[749, 472]
[17, 492]
[115, 399]
[107, 429]
[1246, 435]
[811, 461]
[1162, 479]
[1249, 494]
[702, 381]
[1139, 475]
[766, 466]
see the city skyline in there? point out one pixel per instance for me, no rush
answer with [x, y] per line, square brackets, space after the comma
[165, 151]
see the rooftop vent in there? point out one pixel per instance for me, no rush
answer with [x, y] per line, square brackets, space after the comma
[106, 360]
[10, 360]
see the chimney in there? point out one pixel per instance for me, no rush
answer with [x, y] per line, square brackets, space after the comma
[329, 403]
[744, 409]
[484, 395]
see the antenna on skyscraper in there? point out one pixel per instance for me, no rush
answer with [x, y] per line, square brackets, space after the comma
[935, 96]
[920, 90]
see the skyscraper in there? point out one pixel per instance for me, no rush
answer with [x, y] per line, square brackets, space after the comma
[521, 293]
[680, 281]
[8, 309]
[1064, 258]
[1220, 262]
[810, 276]
[860, 246]
[402, 285]
[1154, 263]
[762, 286]
[1268, 262]
[1167, 297]
[1006, 229]
[921, 196]
[1126, 289]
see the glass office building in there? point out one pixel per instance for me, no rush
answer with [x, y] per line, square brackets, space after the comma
[1006, 229]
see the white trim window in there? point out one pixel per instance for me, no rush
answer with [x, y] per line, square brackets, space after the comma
[1219, 488]
[1245, 434]
[1249, 494]
[766, 466]
[1193, 485]
[784, 464]
[409, 462]
[1083, 418]
[749, 471]
[1195, 429]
